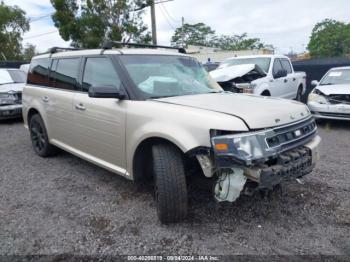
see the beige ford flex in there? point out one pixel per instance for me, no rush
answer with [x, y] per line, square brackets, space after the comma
[157, 116]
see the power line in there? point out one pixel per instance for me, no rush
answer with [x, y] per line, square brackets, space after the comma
[171, 17]
[38, 35]
[166, 18]
[37, 18]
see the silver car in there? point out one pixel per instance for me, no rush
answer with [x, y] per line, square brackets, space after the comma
[12, 82]
[330, 99]
[154, 115]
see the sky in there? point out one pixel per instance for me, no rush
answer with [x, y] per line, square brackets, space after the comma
[286, 24]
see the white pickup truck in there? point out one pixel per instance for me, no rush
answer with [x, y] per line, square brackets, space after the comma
[267, 75]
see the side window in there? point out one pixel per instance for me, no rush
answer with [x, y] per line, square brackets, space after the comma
[276, 66]
[286, 66]
[52, 74]
[99, 71]
[38, 72]
[66, 73]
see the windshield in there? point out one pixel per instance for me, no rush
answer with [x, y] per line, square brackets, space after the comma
[336, 77]
[18, 76]
[5, 77]
[165, 76]
[262, 62]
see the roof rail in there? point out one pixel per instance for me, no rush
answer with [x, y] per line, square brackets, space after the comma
[56, 49]
[111, 44]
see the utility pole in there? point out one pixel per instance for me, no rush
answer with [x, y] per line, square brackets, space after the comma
[154, 26]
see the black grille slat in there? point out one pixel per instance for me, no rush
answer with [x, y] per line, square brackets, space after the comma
[286, 136]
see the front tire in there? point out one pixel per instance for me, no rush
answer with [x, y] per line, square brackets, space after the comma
[170, 183]
[39, 138]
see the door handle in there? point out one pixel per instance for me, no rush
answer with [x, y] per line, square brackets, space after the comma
[285, 80]
[80, 107]
[294, 79]
[45, 99]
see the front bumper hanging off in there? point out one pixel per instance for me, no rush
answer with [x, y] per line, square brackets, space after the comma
[290, 164]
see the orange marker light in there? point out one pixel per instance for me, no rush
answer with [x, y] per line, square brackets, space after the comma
[221, 147]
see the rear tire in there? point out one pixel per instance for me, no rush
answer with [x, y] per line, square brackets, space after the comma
[169, 183]
[39, 138]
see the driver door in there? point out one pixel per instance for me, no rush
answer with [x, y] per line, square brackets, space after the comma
[280, 85]
[99, 123]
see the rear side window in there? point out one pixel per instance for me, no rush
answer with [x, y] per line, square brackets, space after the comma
[38, 72]
[99, 72]
[286, 65]
[64, 73]
[276, 66]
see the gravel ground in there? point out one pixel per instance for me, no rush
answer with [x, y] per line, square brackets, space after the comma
[66, 205]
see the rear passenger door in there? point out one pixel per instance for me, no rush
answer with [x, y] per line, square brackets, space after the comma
[63, 83]
[99, 123]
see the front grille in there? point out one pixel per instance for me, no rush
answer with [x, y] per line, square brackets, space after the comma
[335, 115]
[289, 136]
[291, 164]
[339, 99]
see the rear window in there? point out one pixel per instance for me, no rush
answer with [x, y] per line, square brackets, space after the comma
[38, 72]
[64, 73]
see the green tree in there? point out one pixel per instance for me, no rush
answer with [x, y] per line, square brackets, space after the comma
[330, 38]
[28, 52]
[13, 24]
[202, 35]
[90, 23]
[237, 42]
[193, 34]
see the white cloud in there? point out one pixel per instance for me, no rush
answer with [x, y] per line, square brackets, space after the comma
[285, 24]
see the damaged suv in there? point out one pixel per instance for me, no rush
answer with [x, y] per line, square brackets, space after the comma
[155, 115]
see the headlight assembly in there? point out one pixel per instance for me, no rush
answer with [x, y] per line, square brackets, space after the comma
[257, 147]
[7, 98]
[318, 97]
[244, 147]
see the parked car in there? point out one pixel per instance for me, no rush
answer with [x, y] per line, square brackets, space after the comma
[330, 99]
[11, 85]
[157, 115]
[266, 75]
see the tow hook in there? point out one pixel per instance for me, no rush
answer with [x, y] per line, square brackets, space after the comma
[229, 185]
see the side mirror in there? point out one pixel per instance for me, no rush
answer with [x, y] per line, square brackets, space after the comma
[106, 92]
[281, 73]
[314, 83]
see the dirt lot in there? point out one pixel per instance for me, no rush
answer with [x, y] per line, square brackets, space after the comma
[66, 205]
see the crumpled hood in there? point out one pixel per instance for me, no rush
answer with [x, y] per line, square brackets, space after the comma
[334, 89]
[256, 111]
[16, 87]
[231, 72]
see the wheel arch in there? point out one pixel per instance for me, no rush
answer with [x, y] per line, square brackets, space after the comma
[142, 157]
[266, 93]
